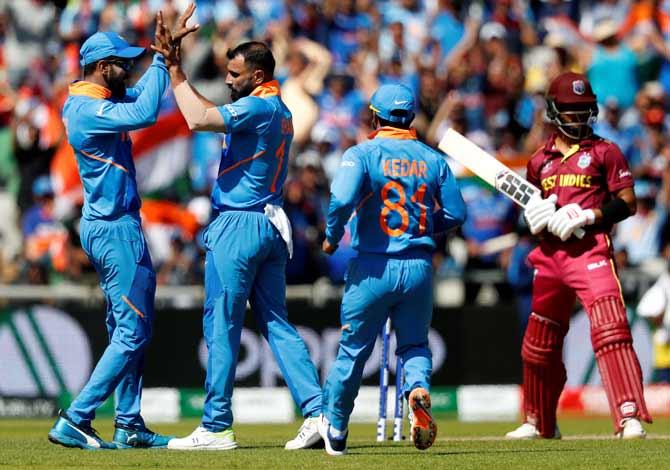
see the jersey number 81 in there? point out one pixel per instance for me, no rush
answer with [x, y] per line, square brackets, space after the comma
[400, 208]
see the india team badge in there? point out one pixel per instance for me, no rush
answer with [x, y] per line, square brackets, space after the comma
[584, 161]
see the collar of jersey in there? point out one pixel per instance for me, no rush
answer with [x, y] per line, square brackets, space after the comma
[389, 132]
[82, 88]
[270, 88]
[550, 147]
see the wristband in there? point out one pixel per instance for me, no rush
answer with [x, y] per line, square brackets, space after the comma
[614, 211]
[590, 216]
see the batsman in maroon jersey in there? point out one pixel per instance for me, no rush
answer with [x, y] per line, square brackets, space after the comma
[586, 183]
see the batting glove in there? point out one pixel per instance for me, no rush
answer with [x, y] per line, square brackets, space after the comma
[569, 218]
[539, 211]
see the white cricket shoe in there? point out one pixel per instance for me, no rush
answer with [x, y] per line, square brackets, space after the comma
[632, 429]
[308, 435]
[202, 439]
[529, 431]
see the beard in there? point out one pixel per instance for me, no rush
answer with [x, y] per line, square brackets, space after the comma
[241, 93]
[118, 89]
[117, 85]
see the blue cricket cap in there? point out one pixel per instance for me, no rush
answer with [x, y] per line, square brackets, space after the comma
[107, 44]
[393, 102]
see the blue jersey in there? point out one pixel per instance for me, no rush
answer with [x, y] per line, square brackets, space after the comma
[388, 188]
[259, 131]
[97, 128]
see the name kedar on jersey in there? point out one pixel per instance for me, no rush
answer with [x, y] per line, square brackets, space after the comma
[396, 167]
[567, 180]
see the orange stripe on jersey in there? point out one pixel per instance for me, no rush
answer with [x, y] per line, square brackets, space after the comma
[360, 204]
[280, 156]
[270, 88]
[241, 162]
[82, 88]
[104, 160]
[133, 308]
[394, 133]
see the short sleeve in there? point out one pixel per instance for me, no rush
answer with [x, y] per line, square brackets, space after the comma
[532, 173]
[246, 114]
[617, 173]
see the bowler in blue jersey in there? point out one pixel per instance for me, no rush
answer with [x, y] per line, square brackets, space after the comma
[248, 241]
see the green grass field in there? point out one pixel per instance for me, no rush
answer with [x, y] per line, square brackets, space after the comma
[587, 444]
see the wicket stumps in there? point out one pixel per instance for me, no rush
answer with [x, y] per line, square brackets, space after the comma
[383, 389]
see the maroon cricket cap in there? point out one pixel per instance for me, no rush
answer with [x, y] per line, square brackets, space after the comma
[571, 88]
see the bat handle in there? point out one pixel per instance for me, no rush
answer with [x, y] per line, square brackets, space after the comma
[579, 233]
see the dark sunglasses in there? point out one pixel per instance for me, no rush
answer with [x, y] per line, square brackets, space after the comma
[126, 65]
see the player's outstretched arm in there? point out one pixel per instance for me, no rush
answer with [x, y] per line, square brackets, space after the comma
[200, 113]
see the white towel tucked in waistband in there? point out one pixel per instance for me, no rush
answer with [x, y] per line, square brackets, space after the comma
[279, 219]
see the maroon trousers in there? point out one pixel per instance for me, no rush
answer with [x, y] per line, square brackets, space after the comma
[565, 271]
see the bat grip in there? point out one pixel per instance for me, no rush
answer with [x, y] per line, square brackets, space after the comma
[579, 233]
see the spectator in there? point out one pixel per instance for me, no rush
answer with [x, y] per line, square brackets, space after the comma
[638, 237]
[479, 67]
[611, 66]
[490, 214]
[30, 29]
[655, 307]
[307, 66]
[306, 222]
[46, 241]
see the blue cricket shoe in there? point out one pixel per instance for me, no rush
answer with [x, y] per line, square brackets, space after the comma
[126, 437]
[66, 433]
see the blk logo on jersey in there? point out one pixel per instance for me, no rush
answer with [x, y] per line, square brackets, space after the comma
[596, 265]
[232, 111]
[584, 161]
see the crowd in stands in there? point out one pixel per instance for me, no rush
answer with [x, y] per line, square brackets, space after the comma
[480, 67]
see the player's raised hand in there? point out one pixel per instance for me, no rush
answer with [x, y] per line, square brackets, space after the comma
[163, 42]
[181, 29]
[168, 43]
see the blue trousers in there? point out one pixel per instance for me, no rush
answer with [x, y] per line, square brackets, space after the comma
[246, 260]
[379, 286]
[121, 258]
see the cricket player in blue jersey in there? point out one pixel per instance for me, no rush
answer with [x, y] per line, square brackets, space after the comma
[395, 192]
[98, 115]
[248, 241]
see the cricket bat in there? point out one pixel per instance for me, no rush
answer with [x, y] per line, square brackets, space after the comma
[490, 169]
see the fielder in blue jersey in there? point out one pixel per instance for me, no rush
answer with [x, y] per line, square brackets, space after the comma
[248, 241]
[395, 192]
[98, 114]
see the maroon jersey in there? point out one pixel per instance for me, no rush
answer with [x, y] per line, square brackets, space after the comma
[586, 177]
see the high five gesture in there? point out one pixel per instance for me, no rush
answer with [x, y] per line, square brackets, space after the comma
[168, 43]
